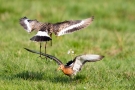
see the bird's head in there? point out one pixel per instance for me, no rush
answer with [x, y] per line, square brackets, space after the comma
[27, 24]
[33, 24]
[61, 67]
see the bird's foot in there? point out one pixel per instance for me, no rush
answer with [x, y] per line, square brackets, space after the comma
[42, 57]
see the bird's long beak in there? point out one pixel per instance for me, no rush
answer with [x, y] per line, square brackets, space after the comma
[58, 68]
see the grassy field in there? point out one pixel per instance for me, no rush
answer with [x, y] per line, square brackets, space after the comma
[111, 34]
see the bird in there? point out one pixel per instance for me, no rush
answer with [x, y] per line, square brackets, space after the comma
[72, 66]
[45, 29]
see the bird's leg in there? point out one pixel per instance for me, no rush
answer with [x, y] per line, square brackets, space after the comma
[51, 37]
[40, 49]
[45, 49]
[45, 46]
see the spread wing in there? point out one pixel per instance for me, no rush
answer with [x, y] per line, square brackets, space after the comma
[79, 61]
[30, 25]
[46, 55]
[67, 27]
[27, 24]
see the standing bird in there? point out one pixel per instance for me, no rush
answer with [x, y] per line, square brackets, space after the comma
[45, 30]
[73, 66]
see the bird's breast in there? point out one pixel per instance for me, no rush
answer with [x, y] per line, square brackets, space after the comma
[68, 71]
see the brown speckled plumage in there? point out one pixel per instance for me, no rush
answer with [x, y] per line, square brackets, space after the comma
[58, 29]
[45, 30]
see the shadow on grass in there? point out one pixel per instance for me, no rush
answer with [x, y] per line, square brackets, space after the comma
[27, 75]
[66, 79]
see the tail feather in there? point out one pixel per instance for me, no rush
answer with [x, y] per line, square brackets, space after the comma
[40, 38]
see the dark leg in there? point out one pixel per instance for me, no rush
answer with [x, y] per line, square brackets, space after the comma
[45, 49]
[40, 49]
[51, 37]
[45, 46]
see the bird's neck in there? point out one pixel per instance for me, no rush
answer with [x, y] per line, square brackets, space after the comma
[62, 67]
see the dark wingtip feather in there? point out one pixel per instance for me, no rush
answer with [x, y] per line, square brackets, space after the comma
[32, 51]
[40, 38]
[46, 55]
[101, 57]
[27, 49]
[92, 18]
[23, 18]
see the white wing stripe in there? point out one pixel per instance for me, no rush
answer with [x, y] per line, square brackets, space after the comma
[90, 57]
[77, 65]
[28, 25]
[81, 59]
[70, 27]
[42, 33]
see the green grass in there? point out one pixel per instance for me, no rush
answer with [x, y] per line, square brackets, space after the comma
[111, 34]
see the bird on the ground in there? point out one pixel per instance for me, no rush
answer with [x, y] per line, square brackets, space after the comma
[73, 66]
[45, 30]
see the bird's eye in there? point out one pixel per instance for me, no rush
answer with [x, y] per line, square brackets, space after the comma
[29, 20]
